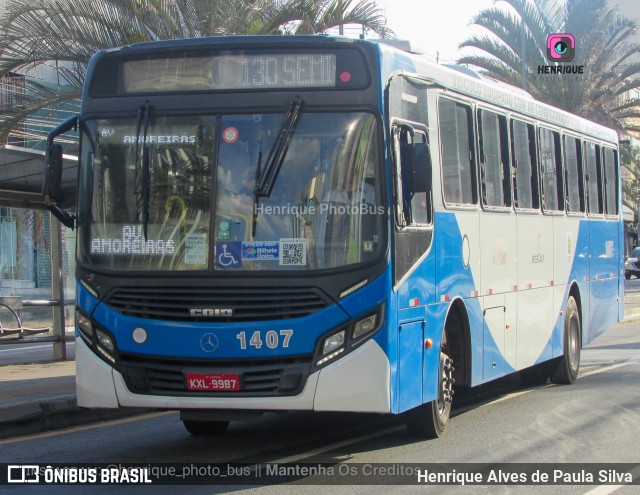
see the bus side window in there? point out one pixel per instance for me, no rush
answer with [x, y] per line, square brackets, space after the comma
[610, 180]
[551, 170]
[574, 175]
[594, 179]
[525, 169]
[457, 155]
[494, 159]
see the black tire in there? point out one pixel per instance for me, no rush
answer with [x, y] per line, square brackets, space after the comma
[430, 420]
[205, 428]
[627, 276]
[568, 365]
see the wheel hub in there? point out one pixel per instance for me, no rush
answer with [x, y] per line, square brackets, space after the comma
[447, 379]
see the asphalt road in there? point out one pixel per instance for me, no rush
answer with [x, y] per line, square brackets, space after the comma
[594, 420]
[31, 353]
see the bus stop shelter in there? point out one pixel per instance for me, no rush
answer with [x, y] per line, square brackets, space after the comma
[21, 180]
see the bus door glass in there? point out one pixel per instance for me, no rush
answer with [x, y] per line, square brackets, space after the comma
[413, 201]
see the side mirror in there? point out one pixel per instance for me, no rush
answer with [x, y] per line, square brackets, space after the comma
[52, 187]
[52, 175]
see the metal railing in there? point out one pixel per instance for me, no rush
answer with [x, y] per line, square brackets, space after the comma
[14, 331]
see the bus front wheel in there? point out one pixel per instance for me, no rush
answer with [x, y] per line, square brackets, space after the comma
[430, 420]
[205, 428]
[568, 365]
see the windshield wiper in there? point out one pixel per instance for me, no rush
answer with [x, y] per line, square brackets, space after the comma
[143, 176]
[266, 178]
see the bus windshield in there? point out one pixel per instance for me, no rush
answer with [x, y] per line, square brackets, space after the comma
[179, 193]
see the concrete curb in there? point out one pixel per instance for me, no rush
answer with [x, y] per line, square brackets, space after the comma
[26, 411]
[27, 418]
[631, 316]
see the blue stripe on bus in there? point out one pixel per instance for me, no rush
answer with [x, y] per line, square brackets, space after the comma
[182, 339]
[601, 270]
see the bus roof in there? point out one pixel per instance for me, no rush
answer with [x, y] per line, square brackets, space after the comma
[400, 57]
[213, 41]
[464, 81]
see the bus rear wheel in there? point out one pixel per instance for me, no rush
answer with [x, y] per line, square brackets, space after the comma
[205, 428]
[568, 365]
[430, 420]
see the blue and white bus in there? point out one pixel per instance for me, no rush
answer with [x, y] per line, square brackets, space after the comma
[327, 224]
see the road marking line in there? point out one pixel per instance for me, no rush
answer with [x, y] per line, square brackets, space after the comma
[25, 348]
[337, 445]
[76, 429]
[506, 397]
[513, 395]
[604, 490]
[610, 367]
[608, 489]
[31, 347]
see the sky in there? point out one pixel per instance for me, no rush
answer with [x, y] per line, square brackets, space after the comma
[441, 25]
[434, 26]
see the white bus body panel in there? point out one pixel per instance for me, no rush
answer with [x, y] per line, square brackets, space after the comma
[359, 382]
[94, 379]
[521, 263]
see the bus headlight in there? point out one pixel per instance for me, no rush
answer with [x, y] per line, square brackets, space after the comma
[333, 342]
[348, 337]
[84, 324]
[364, 326]
[333, 346]
[105, 340]
[105, 346]
[100, 341]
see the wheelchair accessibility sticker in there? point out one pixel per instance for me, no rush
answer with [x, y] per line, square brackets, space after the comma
[229, 254]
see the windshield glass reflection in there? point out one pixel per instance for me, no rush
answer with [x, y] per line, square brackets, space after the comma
[324, 210]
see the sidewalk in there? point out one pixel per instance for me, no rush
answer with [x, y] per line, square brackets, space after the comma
[41, 397]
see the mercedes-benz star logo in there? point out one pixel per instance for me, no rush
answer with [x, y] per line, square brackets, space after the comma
[209, 342]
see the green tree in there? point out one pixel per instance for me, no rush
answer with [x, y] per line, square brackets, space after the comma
[65, 33]
[514, 44]
[630, 161]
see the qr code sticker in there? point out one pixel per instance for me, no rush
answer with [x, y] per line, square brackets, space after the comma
[293, 252]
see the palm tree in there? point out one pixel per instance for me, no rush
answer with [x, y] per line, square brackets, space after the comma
[515, 45]
[65, 33]
[630, 162]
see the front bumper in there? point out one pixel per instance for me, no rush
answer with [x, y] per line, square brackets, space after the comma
[359, 382]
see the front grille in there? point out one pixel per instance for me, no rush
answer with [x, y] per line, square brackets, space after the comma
[246, 304]
[258, 378]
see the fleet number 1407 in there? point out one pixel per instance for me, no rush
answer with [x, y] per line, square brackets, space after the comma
[271, 339]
